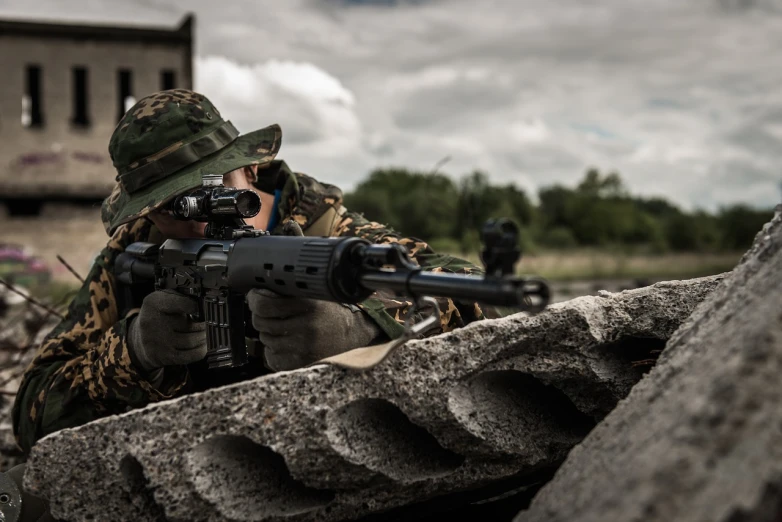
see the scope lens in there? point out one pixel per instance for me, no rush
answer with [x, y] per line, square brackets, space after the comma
[248, 203]
[186, 207]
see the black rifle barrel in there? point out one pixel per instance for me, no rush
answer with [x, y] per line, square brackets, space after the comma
[349, 269]
[492, 291]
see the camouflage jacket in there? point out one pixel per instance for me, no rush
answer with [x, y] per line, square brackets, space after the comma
[82, 370]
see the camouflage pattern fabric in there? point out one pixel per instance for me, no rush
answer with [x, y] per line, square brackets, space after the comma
[82, 371]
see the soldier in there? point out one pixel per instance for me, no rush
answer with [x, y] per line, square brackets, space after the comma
[97, 362]
[100, 360]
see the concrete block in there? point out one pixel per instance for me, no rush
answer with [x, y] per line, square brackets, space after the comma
[700, 437]
[497, 399]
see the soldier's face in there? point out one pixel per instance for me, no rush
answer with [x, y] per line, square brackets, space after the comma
[173, 228]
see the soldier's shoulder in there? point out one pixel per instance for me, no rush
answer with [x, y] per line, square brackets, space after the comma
[306, 200]
[135, 231]
[308, 185]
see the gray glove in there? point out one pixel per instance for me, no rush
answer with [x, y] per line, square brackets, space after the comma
[163, 335]
[297, 332]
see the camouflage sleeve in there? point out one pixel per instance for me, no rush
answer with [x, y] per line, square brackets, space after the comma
[82, 370]
[389, 310]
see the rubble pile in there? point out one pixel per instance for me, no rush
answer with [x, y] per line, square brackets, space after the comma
[497, 399]
[700, 437]
[22, 328]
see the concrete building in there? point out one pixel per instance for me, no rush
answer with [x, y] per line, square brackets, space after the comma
[64, 88]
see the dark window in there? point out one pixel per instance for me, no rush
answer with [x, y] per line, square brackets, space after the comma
[32, 110]
[168, 79]
[80, 109]
[125, 89]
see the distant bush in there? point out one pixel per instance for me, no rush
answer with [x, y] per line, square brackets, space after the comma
[739, 224]
[598, 212]
[558, 237]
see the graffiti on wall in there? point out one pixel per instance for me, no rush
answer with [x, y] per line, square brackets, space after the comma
[89, 157]
[19, 266]
[36, 159]
[44, 158]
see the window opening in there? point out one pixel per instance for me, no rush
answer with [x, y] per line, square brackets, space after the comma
[125, 100]
[80, 95]
[168, 79]
[32, 100]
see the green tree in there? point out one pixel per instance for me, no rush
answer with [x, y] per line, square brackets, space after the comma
[557, 207]
[739, 224]
[598, 211]
[682, 233]
[415, 203]
[480, 201]
[596, 185]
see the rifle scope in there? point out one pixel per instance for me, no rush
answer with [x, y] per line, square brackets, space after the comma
[202, 204]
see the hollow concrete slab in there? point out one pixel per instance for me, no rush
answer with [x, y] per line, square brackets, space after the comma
[700, 437]
[496, 399]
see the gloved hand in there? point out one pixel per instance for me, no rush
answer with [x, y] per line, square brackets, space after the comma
[297, 332]
[163, 335]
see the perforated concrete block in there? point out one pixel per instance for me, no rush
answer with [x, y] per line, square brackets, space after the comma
[496, 399]
[700, 437]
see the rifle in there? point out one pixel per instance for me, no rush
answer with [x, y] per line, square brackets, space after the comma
[234, 258]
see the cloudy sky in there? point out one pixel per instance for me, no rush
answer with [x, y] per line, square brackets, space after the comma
[683, 98]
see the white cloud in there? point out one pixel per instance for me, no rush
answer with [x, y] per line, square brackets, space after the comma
[315, 110]
[682, 98]
[533, 131]
[308, 81]
[427, 78]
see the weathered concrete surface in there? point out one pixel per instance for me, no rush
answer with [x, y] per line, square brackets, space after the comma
[700, 437]
[496, 399]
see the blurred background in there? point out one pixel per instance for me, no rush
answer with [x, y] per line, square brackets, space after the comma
[632, 141]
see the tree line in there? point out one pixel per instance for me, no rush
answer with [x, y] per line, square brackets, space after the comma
[598, 212]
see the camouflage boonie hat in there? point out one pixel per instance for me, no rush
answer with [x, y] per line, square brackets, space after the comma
[165, 144]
